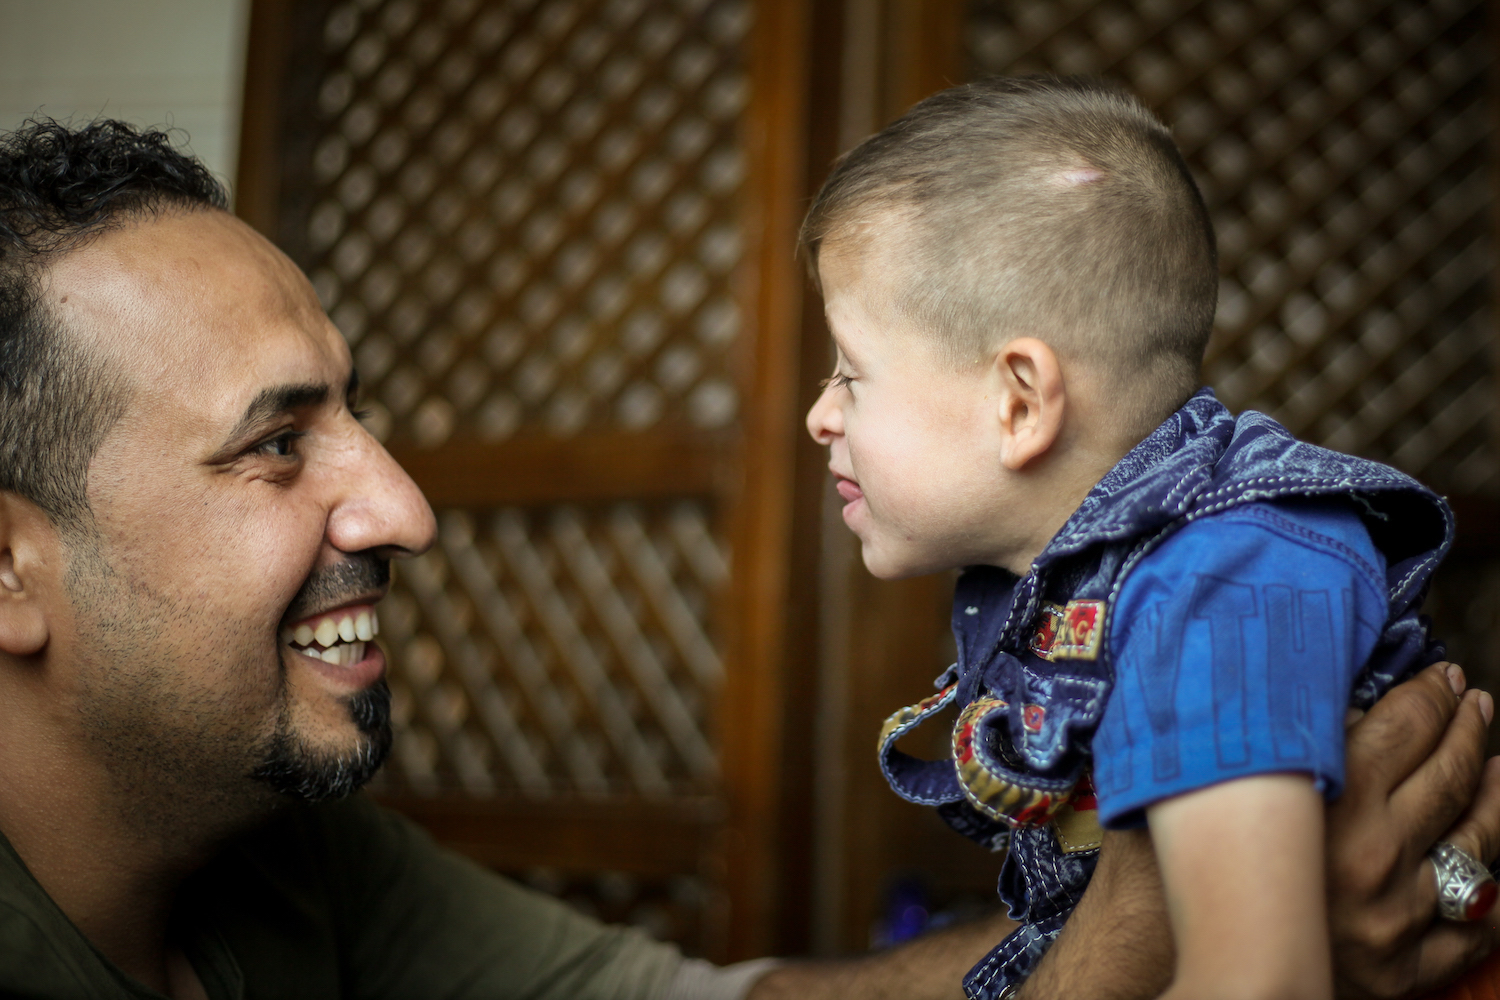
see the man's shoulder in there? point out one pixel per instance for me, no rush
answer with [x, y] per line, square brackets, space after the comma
[41, 953]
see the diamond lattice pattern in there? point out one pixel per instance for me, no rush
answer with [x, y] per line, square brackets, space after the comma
[1341, 148]
[558, 651]
[525, 212]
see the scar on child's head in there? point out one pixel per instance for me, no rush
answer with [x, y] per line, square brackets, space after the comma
[1077, 176]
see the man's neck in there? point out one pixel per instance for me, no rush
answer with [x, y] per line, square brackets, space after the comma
[108, 849]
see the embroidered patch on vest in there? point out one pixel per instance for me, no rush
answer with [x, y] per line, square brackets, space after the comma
[1069, 632]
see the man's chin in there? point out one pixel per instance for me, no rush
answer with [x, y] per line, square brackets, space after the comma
[297, 769]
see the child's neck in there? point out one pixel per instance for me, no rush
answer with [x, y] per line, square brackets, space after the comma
[1057, 491]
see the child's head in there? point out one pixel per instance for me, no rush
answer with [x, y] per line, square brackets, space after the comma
[1006, 253]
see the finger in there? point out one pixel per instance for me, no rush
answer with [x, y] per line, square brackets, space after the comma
[1478, 829]
[1400, 731]
[1431, 799]
[1478, 833]
[1436, 794]
[1449, 949]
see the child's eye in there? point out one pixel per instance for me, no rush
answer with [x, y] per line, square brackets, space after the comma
[837, 380]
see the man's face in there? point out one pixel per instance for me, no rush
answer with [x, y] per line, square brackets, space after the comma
[243, 519]
[912, 438]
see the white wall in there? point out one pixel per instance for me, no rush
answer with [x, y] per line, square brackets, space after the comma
[150, 62]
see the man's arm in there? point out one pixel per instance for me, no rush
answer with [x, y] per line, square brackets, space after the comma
[1412, 766]
[930, 968]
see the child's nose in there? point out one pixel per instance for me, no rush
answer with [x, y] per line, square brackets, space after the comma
[825, 420]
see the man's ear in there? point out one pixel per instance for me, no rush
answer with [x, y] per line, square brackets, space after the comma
[29, 550]
[1032, 401]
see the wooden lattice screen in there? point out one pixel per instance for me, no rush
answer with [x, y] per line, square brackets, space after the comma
[1342, 150]
[528, 218]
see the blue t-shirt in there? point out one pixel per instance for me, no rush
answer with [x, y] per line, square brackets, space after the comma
[1236, 644]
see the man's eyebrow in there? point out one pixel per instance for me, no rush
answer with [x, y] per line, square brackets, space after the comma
[279, 399]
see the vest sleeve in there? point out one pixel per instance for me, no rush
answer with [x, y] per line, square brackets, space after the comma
[1235, 646]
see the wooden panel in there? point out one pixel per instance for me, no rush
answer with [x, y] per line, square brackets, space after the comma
[557, 651]
[596, 467]
[753, 727]
[258, 181]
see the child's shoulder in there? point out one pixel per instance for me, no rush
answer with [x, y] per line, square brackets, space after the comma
[1269, 540]
[1329, 523]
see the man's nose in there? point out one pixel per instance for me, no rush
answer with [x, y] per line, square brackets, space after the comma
[825, 420]
[379, 509]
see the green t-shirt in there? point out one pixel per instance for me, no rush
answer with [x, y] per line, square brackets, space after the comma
[343, 900]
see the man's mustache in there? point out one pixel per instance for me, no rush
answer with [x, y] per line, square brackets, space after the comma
[330, 586]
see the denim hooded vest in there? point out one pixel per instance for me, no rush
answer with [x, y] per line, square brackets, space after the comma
[1034, 668]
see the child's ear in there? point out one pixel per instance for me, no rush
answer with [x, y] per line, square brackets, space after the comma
[29, 551]
[1032, 401]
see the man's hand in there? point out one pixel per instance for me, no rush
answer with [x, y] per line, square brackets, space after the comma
[1413, 765]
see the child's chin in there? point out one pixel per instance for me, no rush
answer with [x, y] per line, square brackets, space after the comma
[885, 565]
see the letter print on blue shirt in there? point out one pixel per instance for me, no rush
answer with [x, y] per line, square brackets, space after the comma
[1299, 656]
[1244, 632]
[1158, 677]
[1226, 604]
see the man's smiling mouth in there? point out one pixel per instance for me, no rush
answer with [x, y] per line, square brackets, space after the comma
[337, 637]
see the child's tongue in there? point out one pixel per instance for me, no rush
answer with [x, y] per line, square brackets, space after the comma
[849, 490]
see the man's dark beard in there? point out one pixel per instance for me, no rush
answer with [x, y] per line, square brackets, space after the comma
[295, 769]
[298, 772]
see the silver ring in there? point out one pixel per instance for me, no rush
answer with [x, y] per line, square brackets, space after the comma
[1466, 889]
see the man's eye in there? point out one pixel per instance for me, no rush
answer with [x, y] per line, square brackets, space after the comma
[283, 445]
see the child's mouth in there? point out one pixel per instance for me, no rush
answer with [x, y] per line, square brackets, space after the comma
[849, 490]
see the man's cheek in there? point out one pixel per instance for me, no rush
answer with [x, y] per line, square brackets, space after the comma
[280, 556]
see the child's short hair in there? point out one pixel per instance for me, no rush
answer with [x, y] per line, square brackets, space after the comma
[1058, 208]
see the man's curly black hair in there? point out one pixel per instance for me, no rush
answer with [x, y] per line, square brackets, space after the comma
[59, 188]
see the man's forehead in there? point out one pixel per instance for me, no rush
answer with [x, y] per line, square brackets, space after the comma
[196, 308]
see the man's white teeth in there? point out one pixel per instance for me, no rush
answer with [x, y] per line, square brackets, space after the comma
[359, 628]
[342, 655]
[327, 633]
